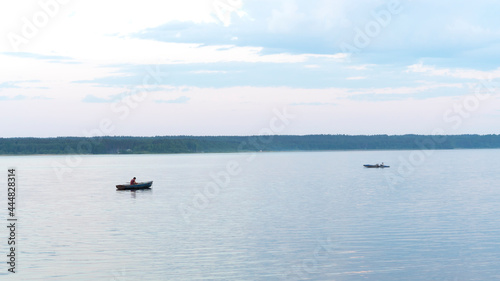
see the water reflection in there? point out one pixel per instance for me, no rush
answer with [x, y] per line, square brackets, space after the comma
[134, 192]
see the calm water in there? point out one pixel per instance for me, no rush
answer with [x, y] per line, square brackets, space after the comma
[272, 216]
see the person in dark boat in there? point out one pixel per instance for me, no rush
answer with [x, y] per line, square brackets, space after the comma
[132, 182]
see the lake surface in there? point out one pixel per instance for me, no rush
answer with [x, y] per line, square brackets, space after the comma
[434, 215]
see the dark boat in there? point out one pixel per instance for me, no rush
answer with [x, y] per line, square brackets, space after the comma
[139, 185]
[376, 166]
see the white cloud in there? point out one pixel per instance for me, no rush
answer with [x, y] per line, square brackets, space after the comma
[287, 19]
[224, 10]
[407, 90]
[208, 72]
[361, 67]
[356, 78]
[454, 72]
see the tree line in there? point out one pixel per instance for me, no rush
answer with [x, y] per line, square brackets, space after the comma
[210, 144]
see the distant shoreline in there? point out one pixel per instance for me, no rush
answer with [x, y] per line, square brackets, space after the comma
[108, 145]
[242, 152]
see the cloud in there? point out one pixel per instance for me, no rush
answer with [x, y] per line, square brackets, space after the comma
[227, 74]
[182, 99]
[94, 99]
[321, 27]
[41, 98]
[312, 66]
[22, 84]
[454, 72]
[15, 98]
[223, 11]
[409, 90]
[356, 78]
[208, 72]
[51, 58]
[312, 103]
[120, 96]
[294, 27]
[8, 84]
[361, 67]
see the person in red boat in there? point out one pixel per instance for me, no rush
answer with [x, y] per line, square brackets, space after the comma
[132, 182]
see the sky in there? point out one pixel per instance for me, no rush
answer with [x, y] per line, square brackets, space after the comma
[249, 67]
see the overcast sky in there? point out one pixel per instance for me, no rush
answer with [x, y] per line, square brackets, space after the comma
[247, 67]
